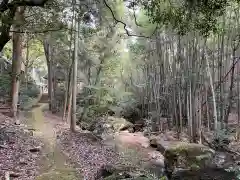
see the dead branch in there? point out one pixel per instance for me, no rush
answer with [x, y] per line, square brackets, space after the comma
[125, 25]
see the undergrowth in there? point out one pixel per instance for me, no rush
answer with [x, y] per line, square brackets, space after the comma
[27, 92]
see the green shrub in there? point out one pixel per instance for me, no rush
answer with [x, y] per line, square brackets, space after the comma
[220, 139]
[99, 100]
[24, 100]
[30, 90]
[5, 85]
[26, 92]
[236, 170]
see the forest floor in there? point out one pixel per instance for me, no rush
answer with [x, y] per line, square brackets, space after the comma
[16, 158]
[55, 165]
[30, 151]
[43, 148]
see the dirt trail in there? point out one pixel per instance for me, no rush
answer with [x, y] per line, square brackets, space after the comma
[55, 165]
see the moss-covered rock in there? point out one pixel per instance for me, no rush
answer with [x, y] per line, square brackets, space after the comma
[183, 155]
[127, 176]
[111, 125]
[119, 124]
[204, 173]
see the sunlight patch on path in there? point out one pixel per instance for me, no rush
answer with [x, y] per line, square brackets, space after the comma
[54, 166]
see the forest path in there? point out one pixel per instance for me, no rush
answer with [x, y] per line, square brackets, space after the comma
[55, 165]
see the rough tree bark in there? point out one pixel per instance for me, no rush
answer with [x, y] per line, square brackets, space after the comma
[27, 61]
[54, 85]
[67, 98]
[238, 104]
[69, 108]
[47, 51]
[230, 95]
[74, 85]
[16, 62]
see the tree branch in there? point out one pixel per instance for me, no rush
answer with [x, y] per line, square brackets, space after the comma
[124, 24]
[5, 37]
[42, 32]
[5, 5]
[12, 6]
[135, 18]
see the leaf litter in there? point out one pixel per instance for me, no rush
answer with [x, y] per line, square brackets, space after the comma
[15, 157]
[81, 152]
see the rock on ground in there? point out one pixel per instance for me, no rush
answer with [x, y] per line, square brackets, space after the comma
[184, 155]
[111, 124]
[204, 174]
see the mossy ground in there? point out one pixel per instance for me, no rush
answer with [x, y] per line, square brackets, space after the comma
[55, 165]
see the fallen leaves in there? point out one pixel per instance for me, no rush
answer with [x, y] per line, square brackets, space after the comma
[16, 161]
[88, 156]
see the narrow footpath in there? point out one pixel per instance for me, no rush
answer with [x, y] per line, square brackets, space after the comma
[55, 165]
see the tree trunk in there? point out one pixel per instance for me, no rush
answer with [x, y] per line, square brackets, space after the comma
[230, 95]
[74, 85]
[54, 85]
[188, 117]
[214, 96]
[200, 116]
[207, 106]
[220, 75]
[69, 108]
[47, 50]
[27, 61]
[67, 98]
[190, 111]
[180, 112]
[16, 63]
[238, 104]
[50, 85]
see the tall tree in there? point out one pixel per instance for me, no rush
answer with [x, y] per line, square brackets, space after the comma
[74, 84]
[48, 54]
[16, 60]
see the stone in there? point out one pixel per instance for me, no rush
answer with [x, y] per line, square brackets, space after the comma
[223, 160]
[124, 175]
[132, 139]
[35, 149]
[119, 124]
[14, 175]
[183, 155]
[111, 125]
[204, 173]
[153, 141]
[138, 125]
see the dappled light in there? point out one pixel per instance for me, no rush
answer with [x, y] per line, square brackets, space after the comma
[119, 90]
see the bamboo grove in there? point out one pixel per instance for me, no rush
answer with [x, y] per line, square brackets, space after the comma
[192, 80]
